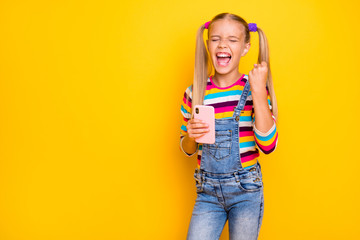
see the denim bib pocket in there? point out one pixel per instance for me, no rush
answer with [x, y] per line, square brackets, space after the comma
[221, 149]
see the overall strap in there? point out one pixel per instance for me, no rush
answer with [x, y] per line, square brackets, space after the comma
[242, 99]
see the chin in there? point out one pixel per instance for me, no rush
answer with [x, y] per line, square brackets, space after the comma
[223, 70]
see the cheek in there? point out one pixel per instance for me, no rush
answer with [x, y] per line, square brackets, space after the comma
[239, 52]
[236, 59]
[211, 48]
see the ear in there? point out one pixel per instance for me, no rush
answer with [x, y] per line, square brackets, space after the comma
[246, 49]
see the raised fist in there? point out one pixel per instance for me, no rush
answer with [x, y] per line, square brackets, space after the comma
[258, 76]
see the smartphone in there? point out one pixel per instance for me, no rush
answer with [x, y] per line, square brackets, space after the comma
[207, 114]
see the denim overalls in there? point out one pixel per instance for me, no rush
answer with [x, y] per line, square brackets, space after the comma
[225, 190]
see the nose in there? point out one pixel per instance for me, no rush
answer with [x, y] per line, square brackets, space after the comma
[222, 43]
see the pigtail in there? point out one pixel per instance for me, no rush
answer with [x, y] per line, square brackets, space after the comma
[201, 70]
[264, 56]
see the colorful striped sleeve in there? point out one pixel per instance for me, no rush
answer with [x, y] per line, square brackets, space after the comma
[186, 115]
[266, 142]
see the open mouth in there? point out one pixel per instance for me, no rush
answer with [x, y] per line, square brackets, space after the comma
[223, 58]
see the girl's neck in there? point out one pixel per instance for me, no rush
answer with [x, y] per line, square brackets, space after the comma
[224, 80]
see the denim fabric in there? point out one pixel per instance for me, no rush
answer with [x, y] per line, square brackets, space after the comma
[225, 190]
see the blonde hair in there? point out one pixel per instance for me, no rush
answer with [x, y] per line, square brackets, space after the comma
[203, 66]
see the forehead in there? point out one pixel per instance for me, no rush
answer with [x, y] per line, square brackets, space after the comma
[226, 27]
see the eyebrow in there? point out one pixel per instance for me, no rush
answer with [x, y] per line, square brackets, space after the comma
[219, 36]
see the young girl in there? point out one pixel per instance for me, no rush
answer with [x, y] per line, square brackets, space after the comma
[228, 175]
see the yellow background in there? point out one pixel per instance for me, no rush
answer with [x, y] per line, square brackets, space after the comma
[90, 95]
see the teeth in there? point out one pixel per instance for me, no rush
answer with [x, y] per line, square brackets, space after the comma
[223, 55]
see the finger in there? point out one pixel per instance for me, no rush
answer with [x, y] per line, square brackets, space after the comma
[198, 135]
[196, 120]
[195, 135]
[194, 127]
[263, 64]
[199, 125]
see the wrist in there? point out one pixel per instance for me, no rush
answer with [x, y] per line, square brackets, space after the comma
[259, 96]
[259, 91]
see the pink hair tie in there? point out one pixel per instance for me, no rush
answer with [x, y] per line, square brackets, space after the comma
[207, 24]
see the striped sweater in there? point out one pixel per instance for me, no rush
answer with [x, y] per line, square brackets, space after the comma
[224, 100]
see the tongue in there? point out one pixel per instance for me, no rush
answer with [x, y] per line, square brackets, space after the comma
[223, 60]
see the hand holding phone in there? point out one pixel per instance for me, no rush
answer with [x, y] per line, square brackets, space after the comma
[207, 115]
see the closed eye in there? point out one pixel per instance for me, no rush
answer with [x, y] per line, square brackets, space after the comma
[214, 40]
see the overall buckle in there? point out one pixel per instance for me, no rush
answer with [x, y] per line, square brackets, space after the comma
[200, 178]
[236, 177]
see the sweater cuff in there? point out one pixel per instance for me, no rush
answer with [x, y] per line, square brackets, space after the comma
[264, 134]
